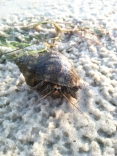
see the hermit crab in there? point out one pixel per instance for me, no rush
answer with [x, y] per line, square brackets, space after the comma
[50, 72]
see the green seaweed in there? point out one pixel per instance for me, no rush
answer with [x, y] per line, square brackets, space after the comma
[3, 42]
[18, 44]
[98, 32]
[32, 52]
[8, 31]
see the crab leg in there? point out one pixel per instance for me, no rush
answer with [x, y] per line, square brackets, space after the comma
[40, 84]
[46, 89]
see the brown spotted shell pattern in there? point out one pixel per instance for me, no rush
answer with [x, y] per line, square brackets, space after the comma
[49, 72]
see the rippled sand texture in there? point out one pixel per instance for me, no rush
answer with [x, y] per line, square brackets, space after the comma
[53, 127]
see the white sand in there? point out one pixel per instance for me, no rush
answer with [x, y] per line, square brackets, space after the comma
[51, 127]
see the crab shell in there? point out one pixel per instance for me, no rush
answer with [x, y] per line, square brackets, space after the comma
[51, 67]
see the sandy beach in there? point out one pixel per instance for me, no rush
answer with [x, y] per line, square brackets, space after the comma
[86, 33]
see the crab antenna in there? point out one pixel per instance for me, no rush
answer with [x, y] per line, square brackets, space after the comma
[70, 102]
[73, 105]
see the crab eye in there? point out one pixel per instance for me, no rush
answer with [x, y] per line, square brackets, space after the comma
[58, 87]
